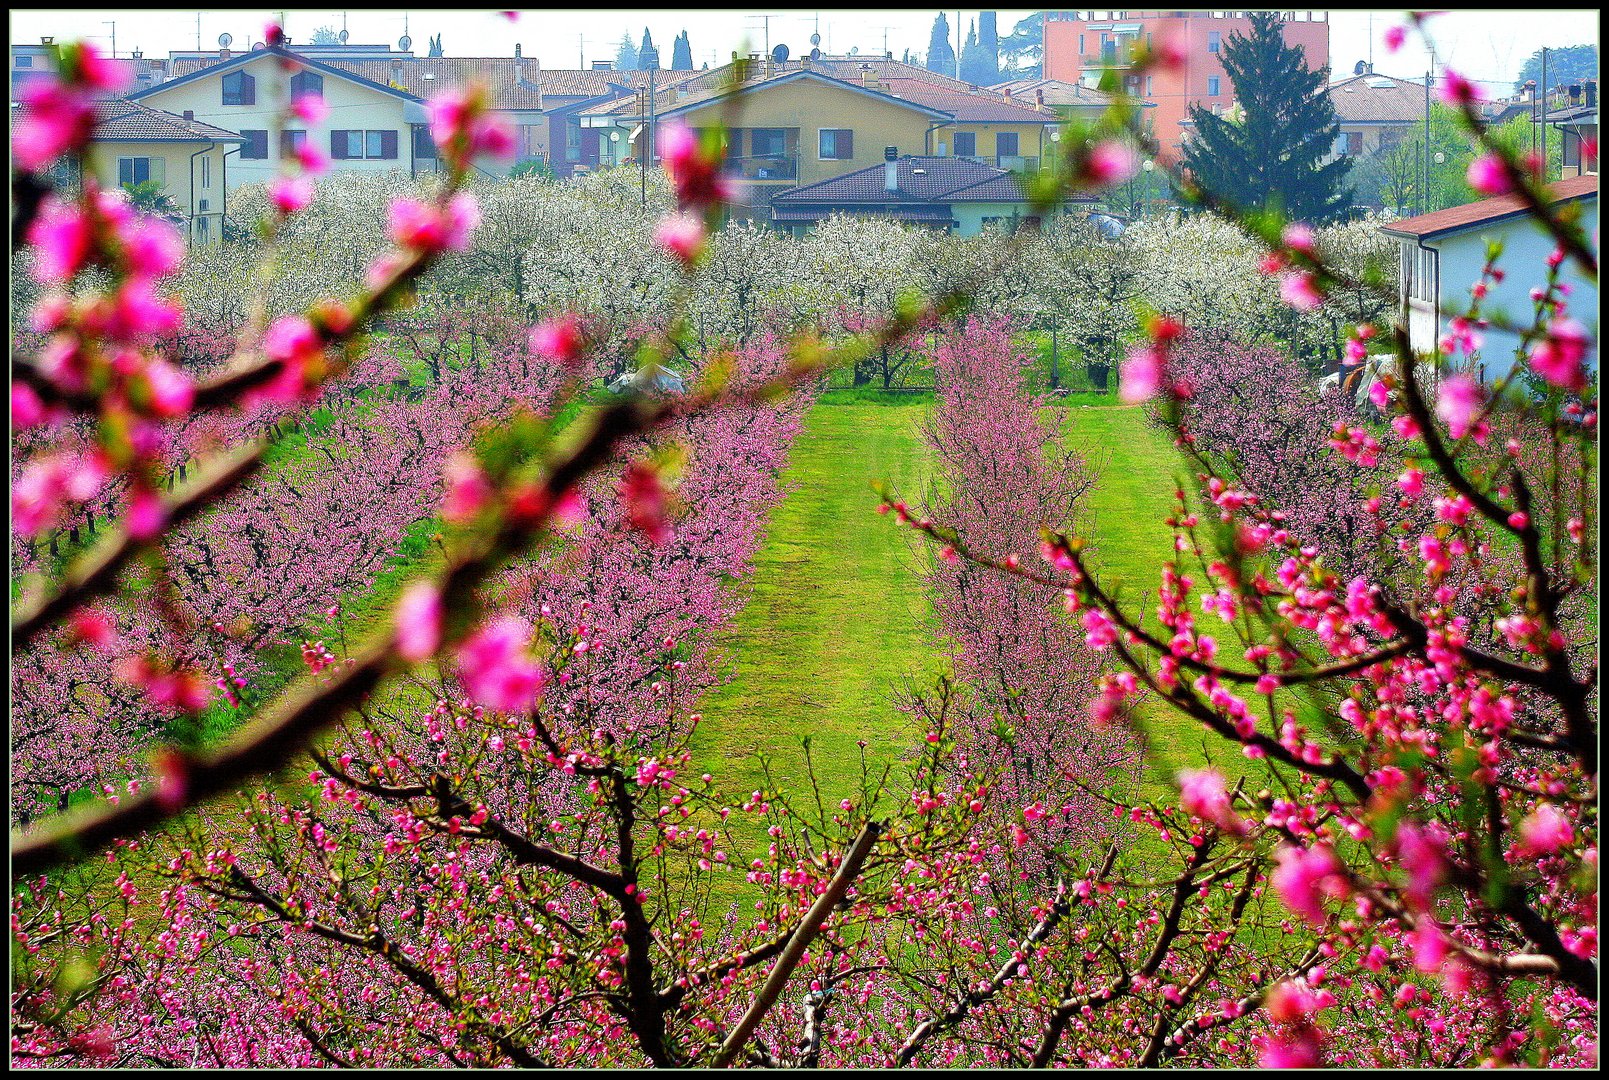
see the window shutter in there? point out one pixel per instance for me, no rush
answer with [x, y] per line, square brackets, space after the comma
[846, 144]
[388, 145]
[157, 169]
[256, 146]
[338, 145]
[248, 89]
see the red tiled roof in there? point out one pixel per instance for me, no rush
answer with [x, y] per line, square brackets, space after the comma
[1394, 101]
[1458, 218]
[117, 120]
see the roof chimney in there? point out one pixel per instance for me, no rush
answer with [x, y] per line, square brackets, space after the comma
[223, 53]
[603, 65]
[1039, 96]
[517, 52]
[891, 169]
[1591, 87]
[396, 72]
[1006, 90]
[189, 114]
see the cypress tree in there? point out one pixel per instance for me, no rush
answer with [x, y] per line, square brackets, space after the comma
[1271, 154]
[647, 55]
[681, 54]
[940, 53]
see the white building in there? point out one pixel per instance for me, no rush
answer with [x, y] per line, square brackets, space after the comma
[1442, 254]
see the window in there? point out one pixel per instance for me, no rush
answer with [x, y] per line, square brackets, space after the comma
[1213, 85]
[769, 142]
[1005, 144]
[239, 89]
[25, 61]
[307, 84]
[966, 144]
[137, 170]
[1148, 81]
[256, 147]
[290, 141]
[423, 147]
[203, 230]
[1080, 44]
[1214, 40]
[1108, 50]
[837, 144]
[206, 171]
[532, 144]
[350, 145]
[1354, 143]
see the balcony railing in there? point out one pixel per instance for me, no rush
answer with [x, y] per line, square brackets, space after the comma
[764, 166]
[1009, 162]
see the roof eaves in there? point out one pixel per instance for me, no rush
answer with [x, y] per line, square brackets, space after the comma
[795, 75]
[246, 57]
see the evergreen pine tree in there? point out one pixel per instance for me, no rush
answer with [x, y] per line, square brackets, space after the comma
[1271, 154]
[940, 53]
[626, 55]
[681, 54]
[647, 55]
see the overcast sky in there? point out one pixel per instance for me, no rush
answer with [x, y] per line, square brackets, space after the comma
[1489, 46]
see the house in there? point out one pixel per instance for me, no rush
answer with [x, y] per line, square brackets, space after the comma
[794, 123]
[1442, 254]
[1080, 45]
[954, 194]
[1375, 112]
[371, 126]
[30, 63]
[1577, 124]
[1068, 100]
[135, 144]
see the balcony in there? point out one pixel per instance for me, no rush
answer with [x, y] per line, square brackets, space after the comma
[1008, 162]
[763, 166]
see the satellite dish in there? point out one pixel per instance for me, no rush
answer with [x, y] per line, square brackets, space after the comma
[1359, 68]
[225, 40]
[815, 39]
[780, 54]
[815, 54]
[342, 36]
[854, 50]
[257, 47]
[406, 43]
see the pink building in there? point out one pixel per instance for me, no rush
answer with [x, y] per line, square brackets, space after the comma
[1078, 46]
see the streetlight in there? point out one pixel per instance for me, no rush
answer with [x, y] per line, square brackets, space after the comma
[1147, 166]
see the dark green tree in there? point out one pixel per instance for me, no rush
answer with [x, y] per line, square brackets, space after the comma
[940, 53]
[681, 54]
[435, 47]
[647, 55]
[979, 66]
[1567, 65]
[325, 35]
[1022, 51]
[1271, 153]
[626, 55]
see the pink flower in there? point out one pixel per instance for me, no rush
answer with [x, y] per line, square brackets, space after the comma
[62, 239]
[146, 514]
[1412, 482]
[1457, 90]
[1488, 175]
[27, 410]
[1110, 161]
[172, 391]
[293, 342]
[1422, 851]
[1304, 876]
[682, 235]
[1458, 403]
[310, 109]
[1545, 830]
[495, 669]
[644, 497]
[463, 128]
[419, 621]
[468, 490]
[312, 160]
[1298, 236]
[1099, 631]
[1356, 352]
[427, 228]
[1300, 291]
[693, 168]
[290, 194]
[1141, 376]
[1394, 38]
[1559, 357]
[559, 339]
[91, 626]
[1203, 794]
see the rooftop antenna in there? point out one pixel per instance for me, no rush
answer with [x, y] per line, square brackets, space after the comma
[198, 31]
[113, 24]
[765, 21]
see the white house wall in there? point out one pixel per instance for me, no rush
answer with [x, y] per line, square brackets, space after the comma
[1525, 249]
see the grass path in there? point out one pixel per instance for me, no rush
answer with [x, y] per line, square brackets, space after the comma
[837, 617]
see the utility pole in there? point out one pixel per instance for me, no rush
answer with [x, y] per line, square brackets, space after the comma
[1424, 191]
[958, 46]
[113, 25]
[198, 31]
[650, 60]
[1544, 117]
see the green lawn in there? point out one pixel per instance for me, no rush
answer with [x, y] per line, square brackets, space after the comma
[837, 617]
